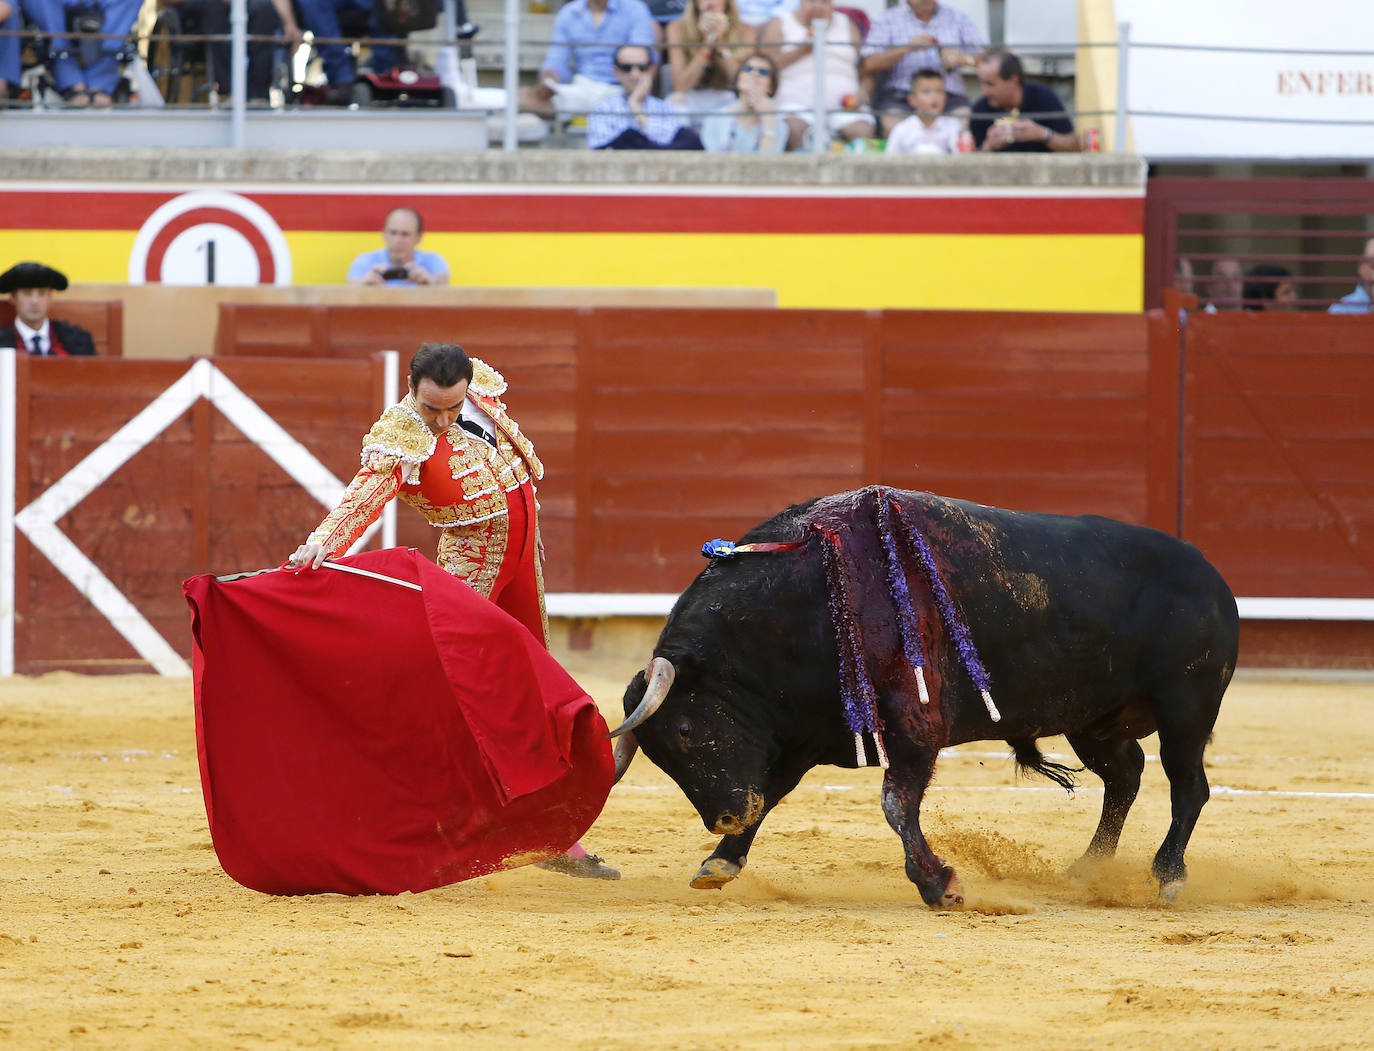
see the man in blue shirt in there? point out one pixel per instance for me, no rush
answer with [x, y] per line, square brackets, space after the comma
[401, 262]
[1358, 302]
[579, 64]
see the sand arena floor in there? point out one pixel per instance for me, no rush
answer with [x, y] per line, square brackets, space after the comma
[118, 928]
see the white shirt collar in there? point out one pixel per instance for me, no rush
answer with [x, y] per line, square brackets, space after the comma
[474, 412]
[26, 334]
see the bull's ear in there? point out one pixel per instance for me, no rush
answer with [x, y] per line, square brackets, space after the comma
[686, 663]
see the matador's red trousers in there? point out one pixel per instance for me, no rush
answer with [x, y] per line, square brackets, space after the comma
[517, 586]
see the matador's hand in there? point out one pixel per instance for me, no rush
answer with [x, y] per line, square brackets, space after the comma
[310, 554]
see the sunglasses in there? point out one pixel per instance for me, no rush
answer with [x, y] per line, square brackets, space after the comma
[626, 67]
[762, 71]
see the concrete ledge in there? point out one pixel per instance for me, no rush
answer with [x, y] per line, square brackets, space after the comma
[564, 168]
[175, 132]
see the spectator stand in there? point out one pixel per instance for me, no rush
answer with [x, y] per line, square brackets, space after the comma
[37, 88]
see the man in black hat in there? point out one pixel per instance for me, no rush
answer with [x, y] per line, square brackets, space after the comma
[30, 287]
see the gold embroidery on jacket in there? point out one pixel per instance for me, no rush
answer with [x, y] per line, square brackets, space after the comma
[363, 500]
[486, 381]
[474, 553]
[402, 433]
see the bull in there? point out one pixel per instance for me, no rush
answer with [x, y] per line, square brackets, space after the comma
[1025, 626]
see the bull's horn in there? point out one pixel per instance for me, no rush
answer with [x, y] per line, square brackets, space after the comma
[625, 748]
[661, 673]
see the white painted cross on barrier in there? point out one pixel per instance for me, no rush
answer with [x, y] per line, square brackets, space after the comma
[38, 520]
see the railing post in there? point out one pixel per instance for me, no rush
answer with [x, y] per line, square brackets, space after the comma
[1123, 60]
[820, 125]
[238, 69]
[511, 75]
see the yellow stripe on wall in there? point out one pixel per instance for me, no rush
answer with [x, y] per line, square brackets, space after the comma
[1072, 272]
[1049, 272]
[85, 256]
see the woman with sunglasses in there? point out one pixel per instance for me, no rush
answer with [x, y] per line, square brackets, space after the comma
[750, 124]
[704, 50]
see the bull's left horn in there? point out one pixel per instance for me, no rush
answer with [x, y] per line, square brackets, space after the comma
[661, 673]
[625, 748]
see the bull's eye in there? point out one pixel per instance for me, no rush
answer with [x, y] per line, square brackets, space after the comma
[684, 730]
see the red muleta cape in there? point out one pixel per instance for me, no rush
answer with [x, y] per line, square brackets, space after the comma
[361, 737]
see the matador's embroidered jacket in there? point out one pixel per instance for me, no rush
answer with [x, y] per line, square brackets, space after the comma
[457, 481]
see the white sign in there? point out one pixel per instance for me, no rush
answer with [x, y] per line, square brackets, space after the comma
[1251, 78]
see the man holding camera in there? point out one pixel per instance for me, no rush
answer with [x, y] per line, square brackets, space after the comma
[401, 262]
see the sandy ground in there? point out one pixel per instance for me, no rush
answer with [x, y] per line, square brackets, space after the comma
[118, 928]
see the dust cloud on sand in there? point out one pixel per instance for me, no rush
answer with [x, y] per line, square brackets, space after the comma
[118, 928]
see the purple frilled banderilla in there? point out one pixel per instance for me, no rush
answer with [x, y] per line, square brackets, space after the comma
[857, 692]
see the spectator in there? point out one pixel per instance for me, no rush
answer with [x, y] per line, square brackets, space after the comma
[664, 13]
[401, 262]
[30, 287]
[1358, 302]
[750, 124]
[788, 38]
[579, 67]
[88, 72]
[1269, 287]
[702, 62]
[1227, 280]
[1183, 274]
[10, 47]
[918, 35]
[755, 14]
[996, 120]
[325, 19]
[632, 119]
[926, 130]
[265, 18]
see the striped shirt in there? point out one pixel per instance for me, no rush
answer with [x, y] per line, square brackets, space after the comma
[897, 25]
[611, 116]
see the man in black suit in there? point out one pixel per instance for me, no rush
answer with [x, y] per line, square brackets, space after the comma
[30, 286]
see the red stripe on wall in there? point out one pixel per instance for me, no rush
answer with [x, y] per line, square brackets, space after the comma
[631, 213]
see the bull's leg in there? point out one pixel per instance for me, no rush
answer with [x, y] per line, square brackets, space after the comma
[902, 795]
[1180, 754]
[1119, 762]
[726, 860]
[729, 857]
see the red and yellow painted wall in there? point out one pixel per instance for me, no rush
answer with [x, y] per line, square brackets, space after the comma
[958, 248]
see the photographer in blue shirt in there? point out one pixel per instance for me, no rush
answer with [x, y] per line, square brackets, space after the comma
[401, 262]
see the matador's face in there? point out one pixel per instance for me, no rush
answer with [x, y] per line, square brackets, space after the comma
[439, 406]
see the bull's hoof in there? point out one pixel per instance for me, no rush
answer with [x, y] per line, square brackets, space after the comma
[1169, 890]
[714, 874]
[953, 897]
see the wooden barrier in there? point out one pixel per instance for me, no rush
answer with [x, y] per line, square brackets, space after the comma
[1247, 435]
[178, 321]
[103, 319]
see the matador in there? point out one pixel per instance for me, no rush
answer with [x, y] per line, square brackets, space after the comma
[451, 451]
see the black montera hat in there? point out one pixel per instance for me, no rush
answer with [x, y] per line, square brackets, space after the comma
[32, 275]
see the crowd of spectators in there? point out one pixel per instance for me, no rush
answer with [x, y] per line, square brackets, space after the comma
[876, 76]
[1267, 286]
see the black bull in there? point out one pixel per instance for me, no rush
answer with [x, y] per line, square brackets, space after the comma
[1087, 627]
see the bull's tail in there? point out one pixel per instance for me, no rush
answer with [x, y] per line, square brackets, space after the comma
[1030, 760]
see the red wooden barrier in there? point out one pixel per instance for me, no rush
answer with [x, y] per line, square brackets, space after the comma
[1249, 435]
